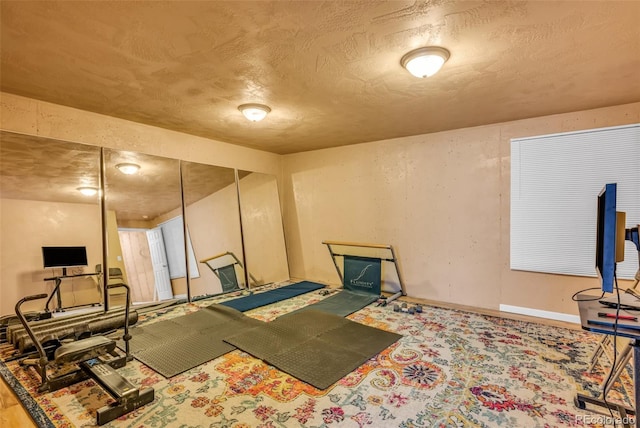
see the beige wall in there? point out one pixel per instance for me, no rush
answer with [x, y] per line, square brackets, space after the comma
[25, 227]
[442, 201]
[115, 259]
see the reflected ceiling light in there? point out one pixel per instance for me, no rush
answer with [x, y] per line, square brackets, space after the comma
[425, 62]
[128, 168]
[254, 112]
[88, 191]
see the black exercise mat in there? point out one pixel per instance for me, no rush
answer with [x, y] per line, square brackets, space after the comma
[264, 298]
[176, 345]
[343, 303]
[316, 347]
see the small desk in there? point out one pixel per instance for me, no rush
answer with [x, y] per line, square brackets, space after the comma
[56, 289]
[587, 307]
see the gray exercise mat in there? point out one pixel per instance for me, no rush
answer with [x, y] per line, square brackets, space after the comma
[176, 345]
[343, 303]
[316, 347]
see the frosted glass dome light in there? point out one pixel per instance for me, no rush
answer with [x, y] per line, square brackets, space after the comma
[425, 62]
[254, 112]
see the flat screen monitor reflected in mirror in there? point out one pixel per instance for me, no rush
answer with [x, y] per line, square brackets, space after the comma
[64, 257]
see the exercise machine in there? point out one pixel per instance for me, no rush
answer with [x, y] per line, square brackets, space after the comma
[56, 292]
[8, 320]
[71, 327]
[363, 270]
[92, 357]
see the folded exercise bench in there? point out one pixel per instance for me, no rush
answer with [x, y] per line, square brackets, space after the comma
[93, 357]
[362, 270]
[225, 270]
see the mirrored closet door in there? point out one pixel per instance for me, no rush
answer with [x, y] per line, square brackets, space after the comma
[49, 198]
[213, 226]
[144, 226]
[263, 233]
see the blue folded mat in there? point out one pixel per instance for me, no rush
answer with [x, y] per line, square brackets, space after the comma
[257, 300]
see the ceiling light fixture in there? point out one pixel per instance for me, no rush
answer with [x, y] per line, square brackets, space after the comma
[88, 191]
[425, 62]
[128, 168]
[254, 112]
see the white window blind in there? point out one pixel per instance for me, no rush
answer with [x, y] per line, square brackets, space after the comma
[555, 181]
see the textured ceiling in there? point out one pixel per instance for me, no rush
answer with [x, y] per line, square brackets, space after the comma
[328, 69]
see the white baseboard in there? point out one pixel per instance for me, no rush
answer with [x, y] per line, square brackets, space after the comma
[180, 296]
[558, 316]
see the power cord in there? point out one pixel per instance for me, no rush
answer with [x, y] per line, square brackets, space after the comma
[575, 295]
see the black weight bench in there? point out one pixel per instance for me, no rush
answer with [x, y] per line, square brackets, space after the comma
[95, 357]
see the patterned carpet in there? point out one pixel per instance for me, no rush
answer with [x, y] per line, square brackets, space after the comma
[451, 369]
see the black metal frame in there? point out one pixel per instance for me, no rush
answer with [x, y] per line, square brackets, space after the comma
[98, 362]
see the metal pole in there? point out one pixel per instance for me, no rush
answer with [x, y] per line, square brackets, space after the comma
[395, 263]
[333, 258]
[184, 233]
[105, 233]
[356, 244]
[245, 268]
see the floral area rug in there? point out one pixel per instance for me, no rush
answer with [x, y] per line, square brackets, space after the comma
[450, 369]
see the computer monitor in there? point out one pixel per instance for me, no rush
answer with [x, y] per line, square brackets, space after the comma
[609, 237]
[64, 257]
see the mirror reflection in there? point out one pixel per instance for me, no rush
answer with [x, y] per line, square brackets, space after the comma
[43, 205]
[264, 244]
[212, 213]
[145, 238]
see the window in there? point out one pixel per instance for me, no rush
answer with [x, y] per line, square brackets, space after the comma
[555, 181]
